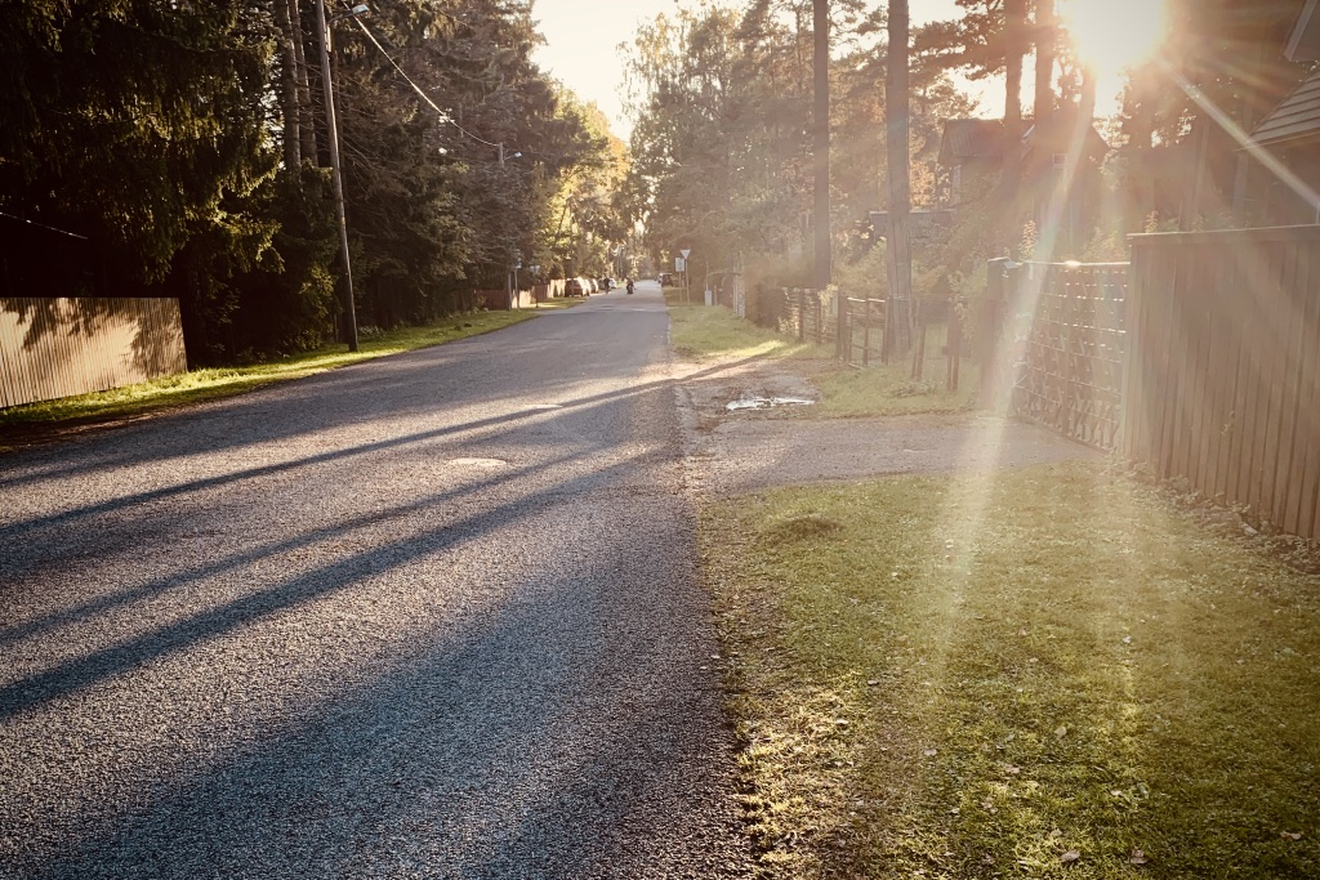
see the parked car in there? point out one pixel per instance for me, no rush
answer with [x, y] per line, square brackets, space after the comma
[607, 284]
[666, 279]
[575, 287]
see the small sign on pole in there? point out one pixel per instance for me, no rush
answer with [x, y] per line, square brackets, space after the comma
[680, 264]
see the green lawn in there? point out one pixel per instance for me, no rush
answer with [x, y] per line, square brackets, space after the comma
[1057, 671]
[207, 384]
[1050, 672]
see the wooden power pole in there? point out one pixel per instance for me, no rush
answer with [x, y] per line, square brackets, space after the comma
[821, 140]
[898, 248]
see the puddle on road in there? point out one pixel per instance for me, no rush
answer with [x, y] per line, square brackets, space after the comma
[746, 402]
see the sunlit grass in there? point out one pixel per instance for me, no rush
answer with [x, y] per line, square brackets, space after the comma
[707, 333]
[1048, 672]
[200, 385]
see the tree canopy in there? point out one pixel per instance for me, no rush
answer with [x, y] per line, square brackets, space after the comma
[185, 145]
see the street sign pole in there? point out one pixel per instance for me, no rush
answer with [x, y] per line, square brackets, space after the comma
[687, 291]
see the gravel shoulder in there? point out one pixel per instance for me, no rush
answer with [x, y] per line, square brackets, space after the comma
[733, 451]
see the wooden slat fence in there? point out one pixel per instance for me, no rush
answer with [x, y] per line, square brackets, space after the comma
[1224, 368]
[807, 315]
[1069, 371]
[59, 347]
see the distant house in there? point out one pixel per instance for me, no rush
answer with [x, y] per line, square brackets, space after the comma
[1052, 192]
[1291, 132]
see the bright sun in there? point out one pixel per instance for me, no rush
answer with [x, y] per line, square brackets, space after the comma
[1113, 35]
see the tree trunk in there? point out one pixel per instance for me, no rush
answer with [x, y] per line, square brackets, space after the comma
[821, 146]
[1015, 20]
[307, 121]
[289, 108]
[1044, 102]
[898, 261]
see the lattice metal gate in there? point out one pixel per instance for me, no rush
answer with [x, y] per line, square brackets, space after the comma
[1070, 339]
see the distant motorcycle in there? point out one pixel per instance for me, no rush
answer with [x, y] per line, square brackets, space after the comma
[630, 286]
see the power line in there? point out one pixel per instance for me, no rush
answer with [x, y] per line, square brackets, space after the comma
[444, 115]
[43, 226]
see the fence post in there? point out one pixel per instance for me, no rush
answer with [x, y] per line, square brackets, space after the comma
[841, 325]
[954, 343]
[991, 345]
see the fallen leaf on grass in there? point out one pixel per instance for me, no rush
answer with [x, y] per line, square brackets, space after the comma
[930, 753]
[1138, 857]
[1070, 856]
[1061, 731]
[1291, 835]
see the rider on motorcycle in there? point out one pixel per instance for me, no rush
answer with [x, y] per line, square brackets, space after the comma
[630, 285]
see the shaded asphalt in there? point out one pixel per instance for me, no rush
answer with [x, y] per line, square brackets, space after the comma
[435, 615]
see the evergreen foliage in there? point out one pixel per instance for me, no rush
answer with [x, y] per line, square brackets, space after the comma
[180, 149]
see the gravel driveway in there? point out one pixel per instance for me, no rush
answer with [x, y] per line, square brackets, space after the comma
[431, 616]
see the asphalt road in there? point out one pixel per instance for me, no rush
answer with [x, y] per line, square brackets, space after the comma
[431, 616]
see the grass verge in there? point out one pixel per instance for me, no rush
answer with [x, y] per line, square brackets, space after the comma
[197, 386]
[1047, 672]
[703, 333]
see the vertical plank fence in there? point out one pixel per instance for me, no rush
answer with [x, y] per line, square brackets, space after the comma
[59, 347]
[806, 315]
[1223, 382]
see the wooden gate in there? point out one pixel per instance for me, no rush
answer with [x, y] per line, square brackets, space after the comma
[861, 332]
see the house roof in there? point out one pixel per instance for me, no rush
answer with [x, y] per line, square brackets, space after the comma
[1304, 44]
[1056, 136]
[965, 139]
[1296, 117]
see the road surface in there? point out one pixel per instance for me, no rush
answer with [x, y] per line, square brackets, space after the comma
[435, 615]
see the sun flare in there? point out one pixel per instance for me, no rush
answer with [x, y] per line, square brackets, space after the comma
[1113, 35]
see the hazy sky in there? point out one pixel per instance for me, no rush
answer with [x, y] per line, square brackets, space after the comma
[582, 36]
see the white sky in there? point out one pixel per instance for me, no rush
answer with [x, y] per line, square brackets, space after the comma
[581, 37]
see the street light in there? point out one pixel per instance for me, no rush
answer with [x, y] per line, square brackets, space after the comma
[336, 174]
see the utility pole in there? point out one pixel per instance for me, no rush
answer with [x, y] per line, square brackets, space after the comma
[821, 141]
[336, 174]
[898, 251]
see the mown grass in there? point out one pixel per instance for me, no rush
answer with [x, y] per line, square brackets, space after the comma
[196, 386]
[1047, 672]
[707, 333]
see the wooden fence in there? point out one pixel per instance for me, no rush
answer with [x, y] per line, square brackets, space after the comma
[1063, 341]
[807, 315]
[58, 347]
[861, 333]
[1223, 382]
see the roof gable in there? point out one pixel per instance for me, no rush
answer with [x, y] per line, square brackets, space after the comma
[965, 139]
[1296, 117]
